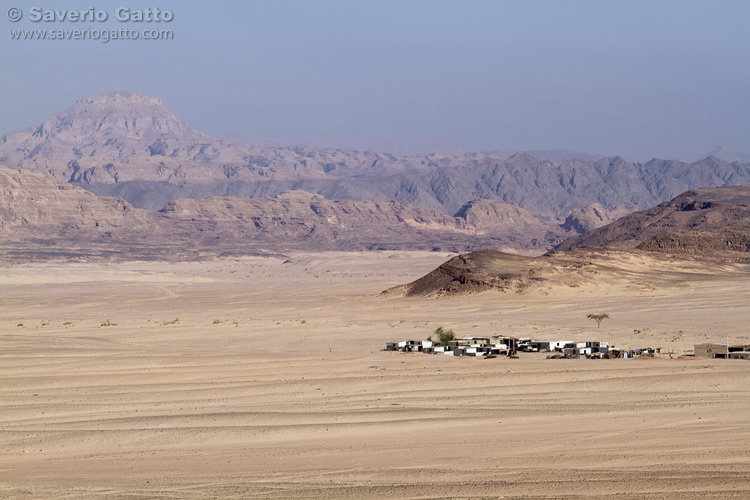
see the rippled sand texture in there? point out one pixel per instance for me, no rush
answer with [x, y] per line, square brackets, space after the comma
[256, 378]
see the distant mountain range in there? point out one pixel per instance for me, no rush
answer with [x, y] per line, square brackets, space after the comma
[131, 146]
[42, 218]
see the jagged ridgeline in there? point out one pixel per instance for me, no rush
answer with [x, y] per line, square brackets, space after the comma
[131, 146]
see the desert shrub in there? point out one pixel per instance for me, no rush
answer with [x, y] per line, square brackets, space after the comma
[444, 336]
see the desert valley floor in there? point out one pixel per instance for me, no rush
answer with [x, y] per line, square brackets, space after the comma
[265, 378]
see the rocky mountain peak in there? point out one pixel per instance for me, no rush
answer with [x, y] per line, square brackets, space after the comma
[117, 114]
[728, 154]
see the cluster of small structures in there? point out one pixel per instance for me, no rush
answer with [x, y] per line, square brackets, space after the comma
[470, 346]
[510, 346]
[490, 347]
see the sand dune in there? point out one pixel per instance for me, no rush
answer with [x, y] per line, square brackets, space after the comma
[265, 378]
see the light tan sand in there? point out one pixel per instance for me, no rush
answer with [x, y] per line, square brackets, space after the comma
[271, 383]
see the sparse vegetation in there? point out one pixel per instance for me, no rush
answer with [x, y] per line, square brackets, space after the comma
[173, 322]
[68, 323]
[108, 322]
[216, 321]
[598, 318]
[19, 325]
[677, 336]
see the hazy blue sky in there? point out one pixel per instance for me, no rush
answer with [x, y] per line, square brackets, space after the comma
[640, 79]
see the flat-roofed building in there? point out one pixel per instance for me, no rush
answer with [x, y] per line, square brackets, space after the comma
[711, 350]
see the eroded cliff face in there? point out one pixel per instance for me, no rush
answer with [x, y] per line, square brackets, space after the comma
[297, 217]
[36, 206]
[37, 211]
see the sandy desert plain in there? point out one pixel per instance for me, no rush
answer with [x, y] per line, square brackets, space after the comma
[264, 377]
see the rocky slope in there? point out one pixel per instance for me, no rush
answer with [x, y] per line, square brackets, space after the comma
[36, 206]
[594, 215]
[485, 270]
[470, 273]
[702, 223]
[131, 146]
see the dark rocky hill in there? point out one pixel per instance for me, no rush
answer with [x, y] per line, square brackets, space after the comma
[702, 223]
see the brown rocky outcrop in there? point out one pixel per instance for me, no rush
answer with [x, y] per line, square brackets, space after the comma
[702, 223]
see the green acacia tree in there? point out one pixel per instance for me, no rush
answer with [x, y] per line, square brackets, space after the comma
[598, 318]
